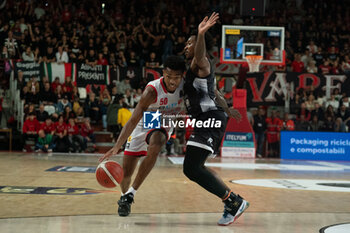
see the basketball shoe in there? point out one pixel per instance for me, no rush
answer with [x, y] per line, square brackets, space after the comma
[124, 203]
[234, 207]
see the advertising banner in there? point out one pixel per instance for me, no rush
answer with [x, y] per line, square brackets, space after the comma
[315, 146]
[29, 69]
[272, 88]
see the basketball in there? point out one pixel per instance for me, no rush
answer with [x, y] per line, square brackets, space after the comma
[109, 174]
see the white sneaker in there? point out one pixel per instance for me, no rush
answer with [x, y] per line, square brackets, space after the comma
[228, 218]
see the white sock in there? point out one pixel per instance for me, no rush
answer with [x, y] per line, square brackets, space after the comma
[131, 190]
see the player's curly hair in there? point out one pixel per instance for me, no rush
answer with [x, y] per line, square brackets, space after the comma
[209, 40]
[175, 63]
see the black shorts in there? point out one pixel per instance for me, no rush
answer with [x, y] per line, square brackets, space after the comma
[209, 138]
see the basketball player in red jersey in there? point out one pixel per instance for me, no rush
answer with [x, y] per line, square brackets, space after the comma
[161, 96]
[204, 102]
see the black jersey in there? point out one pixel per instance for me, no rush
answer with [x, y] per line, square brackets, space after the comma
[199, 93]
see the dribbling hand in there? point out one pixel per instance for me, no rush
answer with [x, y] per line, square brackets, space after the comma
[109, 154]
[208, 23]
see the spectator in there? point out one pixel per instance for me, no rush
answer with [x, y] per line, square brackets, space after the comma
[272, 133]
[287, 124]
[129, 98]
[91, 58]
[28, 55]
[55, 84]
[112, 116]
[137, 96]
[124, 114]
[61, 55]
[41, 114]
[259, 130]
[48, 126]
[91, 107]
[105, 100]
[303, 112]
[49, 55]
[344, 114]
[315, 124]
[152, 61]
[68, 86]
[11, 45]
[33, 85]
[339, 125]
[311, 67]
[75, 139]
[59, 95]
[123, 86]
[87, 132]
[121, 60]
[310, 103]
[325, 68]
[318, 111]
[44, 142]
[302, 124]
[30, 129]
[46, 95]
[328, 124]
[101, 60]
[297, 64]
[333, 102]
[60, 136]
[20, 81]
[68, 113]
[62, 104]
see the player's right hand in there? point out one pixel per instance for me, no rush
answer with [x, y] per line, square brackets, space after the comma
[109, 154]
[208, 22]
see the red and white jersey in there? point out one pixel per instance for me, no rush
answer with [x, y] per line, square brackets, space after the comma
[166, 102]
[168, 105]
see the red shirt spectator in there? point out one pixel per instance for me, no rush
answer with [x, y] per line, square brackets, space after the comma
[72, 128]
[31, 125]
[298, 66]
[48, 126]
[61, 127]
[66, 14]
[86, 130]
[325, 68]
[273, 128]
[55, 83]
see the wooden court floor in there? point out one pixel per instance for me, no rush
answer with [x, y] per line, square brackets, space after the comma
[33, 199]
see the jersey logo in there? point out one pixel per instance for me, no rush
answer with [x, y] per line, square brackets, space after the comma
[151, 120]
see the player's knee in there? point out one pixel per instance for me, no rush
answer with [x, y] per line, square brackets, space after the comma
[157, 140]
[190, 171]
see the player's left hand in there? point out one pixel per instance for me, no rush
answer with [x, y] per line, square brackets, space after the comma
[208, 22]
[234, 113]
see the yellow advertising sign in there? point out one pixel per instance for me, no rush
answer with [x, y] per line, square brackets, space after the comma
[232, 31]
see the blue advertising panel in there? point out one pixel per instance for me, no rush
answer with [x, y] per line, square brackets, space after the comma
[315, 145]
[240, 47]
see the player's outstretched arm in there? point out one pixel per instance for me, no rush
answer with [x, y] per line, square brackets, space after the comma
[231, 112]
[200, 60]
[148, 97]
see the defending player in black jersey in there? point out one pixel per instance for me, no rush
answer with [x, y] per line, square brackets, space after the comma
[205, 103]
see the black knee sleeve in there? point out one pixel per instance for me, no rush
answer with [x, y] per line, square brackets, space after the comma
[195, 170]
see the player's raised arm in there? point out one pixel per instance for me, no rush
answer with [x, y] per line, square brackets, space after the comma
[147, 98]
[200, 60]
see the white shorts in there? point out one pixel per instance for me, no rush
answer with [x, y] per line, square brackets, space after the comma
[137, 143]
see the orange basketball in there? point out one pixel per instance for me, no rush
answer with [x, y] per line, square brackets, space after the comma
[109, 174]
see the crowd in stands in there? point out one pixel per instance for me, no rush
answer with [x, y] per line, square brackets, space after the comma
[143, 33]
[309, 111]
